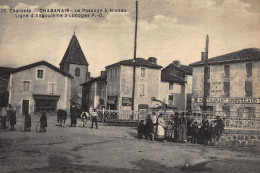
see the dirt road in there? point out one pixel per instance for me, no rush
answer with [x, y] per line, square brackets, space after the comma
[113, 149]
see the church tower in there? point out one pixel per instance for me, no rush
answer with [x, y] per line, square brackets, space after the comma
[75, 63]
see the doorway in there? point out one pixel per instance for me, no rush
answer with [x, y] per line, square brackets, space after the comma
[25, 107]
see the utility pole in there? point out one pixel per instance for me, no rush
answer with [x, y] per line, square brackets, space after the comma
[134, 68]
[206, 89]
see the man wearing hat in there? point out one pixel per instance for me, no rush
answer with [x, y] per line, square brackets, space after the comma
[94, 118]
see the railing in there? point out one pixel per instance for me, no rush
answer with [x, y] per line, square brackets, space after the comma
[118, 116]
[232, 120]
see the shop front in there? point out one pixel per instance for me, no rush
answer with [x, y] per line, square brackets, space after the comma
[45, 103]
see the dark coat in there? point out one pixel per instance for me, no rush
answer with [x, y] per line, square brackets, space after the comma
[73, 113]
[12, 117]
[43, 120]
[141, 129]
[28, 120]
[149, 126]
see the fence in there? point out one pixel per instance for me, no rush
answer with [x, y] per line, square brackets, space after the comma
[232, 120]
[118, 116]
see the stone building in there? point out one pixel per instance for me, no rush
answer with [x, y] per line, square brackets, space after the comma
[39, 87]
[75, 63]
[176, 85]
[233, 82]
[94, 92]
[120, 83]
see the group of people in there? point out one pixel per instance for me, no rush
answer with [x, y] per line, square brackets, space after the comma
[9, 116]
[74, 113]
[180, 127]
[8, 113]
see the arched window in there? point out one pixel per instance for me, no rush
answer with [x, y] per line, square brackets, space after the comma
[77, 72]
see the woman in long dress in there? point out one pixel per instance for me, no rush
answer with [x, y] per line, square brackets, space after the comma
[160, 128]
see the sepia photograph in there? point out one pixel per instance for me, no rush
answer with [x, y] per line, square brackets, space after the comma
[130, 86]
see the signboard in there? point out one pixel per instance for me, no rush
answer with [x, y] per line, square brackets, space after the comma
[126, 101]
[230, 100]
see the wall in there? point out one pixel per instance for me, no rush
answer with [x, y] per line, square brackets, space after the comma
[152, 81]
[178, 94]
[76, 88]
[39, 86]
[237, 85]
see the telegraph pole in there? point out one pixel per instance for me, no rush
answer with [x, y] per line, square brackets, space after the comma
[134, 68]
[206, 89]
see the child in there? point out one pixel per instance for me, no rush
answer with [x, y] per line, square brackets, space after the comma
[141, 130]
[27, 122]
[84, 117]
[43, 121]
[194, 132]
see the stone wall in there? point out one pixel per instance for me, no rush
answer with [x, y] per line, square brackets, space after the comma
[236, 138]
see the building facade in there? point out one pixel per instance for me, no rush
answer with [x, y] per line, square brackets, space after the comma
[233, 83]
[120, 83]
[75, 63]
[94, 92]
[39, 87]
[176, 86]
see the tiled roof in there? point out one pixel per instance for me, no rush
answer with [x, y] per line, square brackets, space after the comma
[74, 53]
[174, 73]
[244, 55]
[172, 78]
[140, 62]
[100, 78]
[42, 63]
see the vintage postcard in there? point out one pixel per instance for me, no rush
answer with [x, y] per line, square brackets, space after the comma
[129, 86]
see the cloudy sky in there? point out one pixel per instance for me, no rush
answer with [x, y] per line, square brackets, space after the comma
[167, 29]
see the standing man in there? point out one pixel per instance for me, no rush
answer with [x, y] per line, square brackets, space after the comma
[94, 118]
[149, 128]
[4, 114]
[73, 115]
[12, 118]
[182, 127]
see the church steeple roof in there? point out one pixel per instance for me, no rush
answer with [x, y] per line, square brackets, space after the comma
[74, 53]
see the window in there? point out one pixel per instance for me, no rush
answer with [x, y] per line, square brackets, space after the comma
[249, 69]
[170, 85]
[111, 73]
[226, 110]
[248, 88]
[249, 112]
[226, 89]
[26, 86]
[77, 71]
[143, 72]
[142, 89]
[115, 72]
[40, 74]
[227, 70]
[52, 88]
[170, 99]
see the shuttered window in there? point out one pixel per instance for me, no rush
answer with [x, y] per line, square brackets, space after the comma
[226, 88]
[249, 69]
[142, 91]
[227, 70]
[248, 88]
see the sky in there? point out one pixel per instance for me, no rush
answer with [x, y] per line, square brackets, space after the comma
[168, 30]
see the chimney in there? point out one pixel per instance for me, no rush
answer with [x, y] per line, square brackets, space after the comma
[152, 60]
[87, 76]
[202, 56]
[103, 73]
[177, 63]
